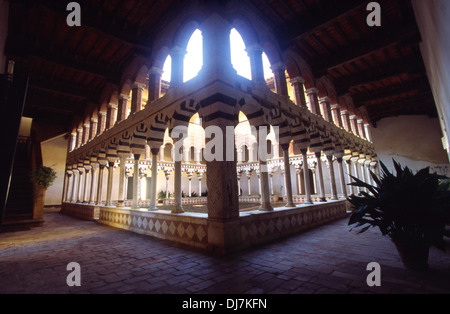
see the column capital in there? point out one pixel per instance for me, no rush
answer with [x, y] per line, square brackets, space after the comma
[255, 47]
[102, 113]
[177, 51]
[335, 106]
[312, 91]
[124, 97]
[137, 85]
[324, 99]
[279, 66]
[296, 80]
[113, 106]
[156, 70]
[344, 112]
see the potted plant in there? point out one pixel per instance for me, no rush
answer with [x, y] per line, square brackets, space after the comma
[42, 178]
[409, 208]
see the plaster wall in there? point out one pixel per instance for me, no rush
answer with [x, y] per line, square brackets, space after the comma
[414, 141]
[54, 152]
[434, 24]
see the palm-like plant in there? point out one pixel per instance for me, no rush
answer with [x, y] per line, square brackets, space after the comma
[407, 207]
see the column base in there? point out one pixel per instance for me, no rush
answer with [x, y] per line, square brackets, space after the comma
[153, 208]
[120, 204]
[323, 199]
[266, 208]
[290, 205]
[178, 210]
[308, 202]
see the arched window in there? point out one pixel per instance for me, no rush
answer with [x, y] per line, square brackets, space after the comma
[167, 70]
[193, 61]
[239, 57]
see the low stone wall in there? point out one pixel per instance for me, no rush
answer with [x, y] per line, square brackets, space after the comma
[258, 227]
[252, 227]
[81, 211]
[182, 228]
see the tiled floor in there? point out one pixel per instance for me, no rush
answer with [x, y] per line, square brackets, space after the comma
[328, 259]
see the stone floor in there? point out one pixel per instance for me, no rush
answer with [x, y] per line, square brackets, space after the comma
[326, 260]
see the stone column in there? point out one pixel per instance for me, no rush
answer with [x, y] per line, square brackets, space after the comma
[249, 176]
[367, 132]
[355, 162]
[122, 108]
[256, 63]
[306, 177]
[87, 168]
[110, 183]
[325, 109]
[101, 122]
[200, 177]
[332, 177]
[80, 183]
[111, 116]
[263, 172]
[79, 137]
[177, 54]
[299, 91]
[271, 183]
[93, 129]
[93, 176]
[361, 130]
[136, 97]
[313, 100]
[349, 170]
[167, 175]
[135, 204]
[354, 125]
[178, 207]
[190, 184]
[339, 158]
[74, 185]
[346, 120]
[336, 114]
[67, 193]
[121, 196]
[279, 75]
[86, 132]
[153, 196]
[321, 184]
[100, 184]
[287, 176]
[154, 84]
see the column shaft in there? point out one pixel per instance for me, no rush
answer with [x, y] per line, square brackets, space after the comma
[287, 177]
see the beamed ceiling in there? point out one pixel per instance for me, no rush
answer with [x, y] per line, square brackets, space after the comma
[380, 67]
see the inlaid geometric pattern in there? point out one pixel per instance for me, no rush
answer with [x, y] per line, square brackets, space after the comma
[276, 224]
[174, 229]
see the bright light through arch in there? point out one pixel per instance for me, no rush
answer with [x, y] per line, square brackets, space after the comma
[167, 69]
[193, 61]
[239, 57]
[241, 60]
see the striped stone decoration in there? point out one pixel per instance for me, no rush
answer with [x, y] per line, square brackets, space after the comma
[157, 130]
[255, 112]
[184, 113]
[139, 140]
[300, 134]
[280, 120]
[123, 147]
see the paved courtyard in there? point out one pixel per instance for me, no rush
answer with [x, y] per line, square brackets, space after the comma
[326, 260]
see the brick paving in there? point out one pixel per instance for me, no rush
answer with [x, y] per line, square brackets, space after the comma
[326, 260]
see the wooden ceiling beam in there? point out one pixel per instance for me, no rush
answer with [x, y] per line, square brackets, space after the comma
[366, 47]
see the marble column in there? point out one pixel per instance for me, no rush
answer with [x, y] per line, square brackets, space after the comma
[93, 176]
[325, 109]
[256, 63]
[110, 183]
[177, 54]
[122, 108]
[154, 85]
[153, 195]
[313, 100]
[287, 176]
[323, 197]
[299, 91]
[122, 175]
[349, 170]
[100, 184]
[135, 204]
[336, 114]
[332, 177]
[306, 177]
[136, 97]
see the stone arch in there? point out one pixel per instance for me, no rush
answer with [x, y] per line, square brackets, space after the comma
[256, 114]
[244, 27]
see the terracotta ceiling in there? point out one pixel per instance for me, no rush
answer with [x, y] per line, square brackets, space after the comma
[380, 67]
